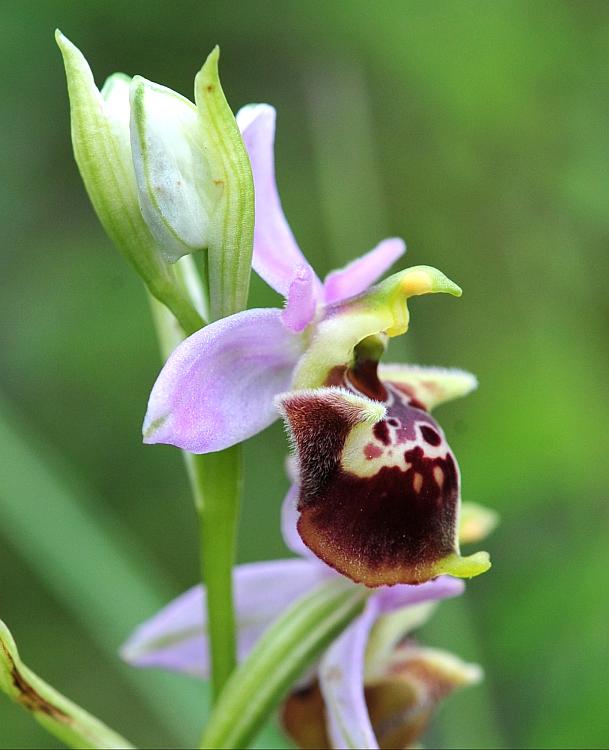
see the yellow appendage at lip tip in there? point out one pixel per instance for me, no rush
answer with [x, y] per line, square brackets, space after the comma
[463, 567]
[425, 279]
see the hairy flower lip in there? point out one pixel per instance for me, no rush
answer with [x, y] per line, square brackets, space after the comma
[379, 492]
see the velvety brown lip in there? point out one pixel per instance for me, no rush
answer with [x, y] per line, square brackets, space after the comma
[388, 525]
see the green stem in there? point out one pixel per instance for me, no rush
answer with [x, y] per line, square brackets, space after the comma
[216, 481]
[184, 312]
[278, 659]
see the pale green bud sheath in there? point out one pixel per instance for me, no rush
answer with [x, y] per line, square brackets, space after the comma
[232, 225]
[62, 718]
[100, 138]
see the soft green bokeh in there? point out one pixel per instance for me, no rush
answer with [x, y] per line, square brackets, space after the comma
[476, 130]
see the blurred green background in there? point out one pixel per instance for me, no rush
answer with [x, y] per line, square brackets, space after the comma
[476, 130]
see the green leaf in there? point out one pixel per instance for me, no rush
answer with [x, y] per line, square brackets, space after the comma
[58, 715]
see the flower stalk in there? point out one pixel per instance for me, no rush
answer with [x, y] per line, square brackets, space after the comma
[166, 178]
[216, 480]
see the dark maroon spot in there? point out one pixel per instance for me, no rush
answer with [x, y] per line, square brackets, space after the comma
[336, 377]
[430, 436]
[372, 451]
[393, 422]
[381, 432]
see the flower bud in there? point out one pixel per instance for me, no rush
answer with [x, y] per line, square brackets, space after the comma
[166, 178]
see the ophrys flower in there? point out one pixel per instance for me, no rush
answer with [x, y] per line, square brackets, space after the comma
[379, 485]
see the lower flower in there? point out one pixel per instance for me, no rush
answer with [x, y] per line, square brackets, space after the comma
[370, 689]
[400, 701]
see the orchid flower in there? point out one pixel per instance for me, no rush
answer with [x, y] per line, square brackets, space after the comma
[380, 487]
[366, 685]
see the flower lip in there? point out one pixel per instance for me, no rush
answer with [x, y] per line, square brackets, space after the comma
[379, 497]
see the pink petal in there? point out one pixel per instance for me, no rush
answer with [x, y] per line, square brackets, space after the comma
[362, 272]
[176, 637]
[276, 254]
[217, 387]
[391, 598]
[341, 673]
[301, 301]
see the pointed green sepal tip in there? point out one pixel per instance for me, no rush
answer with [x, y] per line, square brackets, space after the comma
[463, 567]
[232, 231]
[62, 718]
[210, 66]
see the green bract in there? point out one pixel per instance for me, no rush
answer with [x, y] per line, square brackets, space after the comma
[232, 228]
